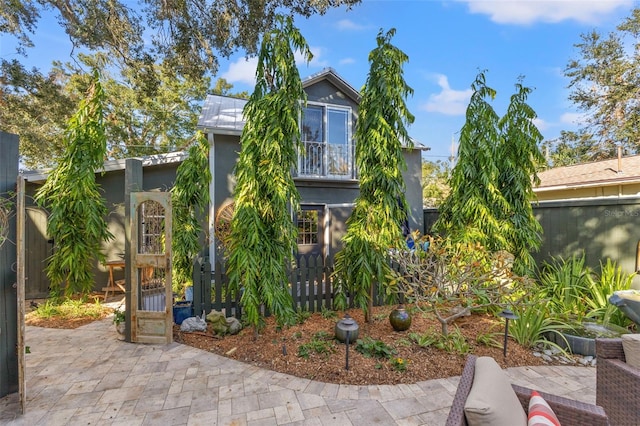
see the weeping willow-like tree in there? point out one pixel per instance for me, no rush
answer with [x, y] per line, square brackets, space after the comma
[189, 199]
[77, 211]
[472, 212]
[519, 157]
[491, 184]
[375, 223]
[263, 235]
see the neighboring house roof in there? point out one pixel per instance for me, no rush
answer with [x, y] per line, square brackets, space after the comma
[600, 173]
[112, 165]
[223, 114]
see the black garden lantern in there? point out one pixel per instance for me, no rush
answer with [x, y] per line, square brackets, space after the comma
[507, 314]
[346, 331]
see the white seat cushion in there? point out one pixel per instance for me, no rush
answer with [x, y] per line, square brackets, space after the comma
[631, 348]
[492, 401]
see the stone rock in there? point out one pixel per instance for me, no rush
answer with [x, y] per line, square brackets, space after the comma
[193, 324]
[218, 322]
[233, 325]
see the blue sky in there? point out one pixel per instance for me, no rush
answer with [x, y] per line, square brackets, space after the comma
[447, 42]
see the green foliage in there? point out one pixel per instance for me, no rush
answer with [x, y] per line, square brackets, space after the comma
[37, 108]
[424, 340]
[328, 313]
[491, 186]
[77, 211]
[533, 324]
[570, 148]
[189, 200]
[138, 123]
[70, 309]
[190, 36]
[574, 292]
[469, 213]
[372, 348]
[565, 283]
[302, 316]
[610, 280]
[435, 182]
[519, 159]
[119, 316]
[603, 81]
[262, 234]
[453, 342]
[380, 208]
[399, 364]
[489, 339]
[321, 344]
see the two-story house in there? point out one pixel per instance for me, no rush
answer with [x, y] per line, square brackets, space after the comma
[326, 176]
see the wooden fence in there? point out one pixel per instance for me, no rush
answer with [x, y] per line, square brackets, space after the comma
[309, 283]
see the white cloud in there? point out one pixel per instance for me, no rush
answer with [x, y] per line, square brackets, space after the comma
[552, 11]
[317, 60]
[540, 124]
[347, 61]
[573, 118]
[242, 71]
[349, 25]
[448, 101]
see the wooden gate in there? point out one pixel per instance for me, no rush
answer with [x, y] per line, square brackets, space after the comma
[151, 295]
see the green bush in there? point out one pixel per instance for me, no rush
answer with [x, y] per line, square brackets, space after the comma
[564, 284]
[320, 344]
[453, 342]
[533, 323]
[574, 292]
[374, 348]
[611, 279]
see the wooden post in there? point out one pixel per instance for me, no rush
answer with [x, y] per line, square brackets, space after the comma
[132, 183]
[9, 377]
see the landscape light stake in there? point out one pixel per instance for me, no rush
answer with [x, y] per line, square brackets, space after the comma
[344, 330]
[347, 356]
[507, 315]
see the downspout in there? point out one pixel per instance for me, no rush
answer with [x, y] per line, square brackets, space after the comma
[212, 202]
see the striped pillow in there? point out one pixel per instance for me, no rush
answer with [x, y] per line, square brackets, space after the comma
[540, 414]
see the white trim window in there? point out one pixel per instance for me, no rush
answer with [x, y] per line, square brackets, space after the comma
[327, 141]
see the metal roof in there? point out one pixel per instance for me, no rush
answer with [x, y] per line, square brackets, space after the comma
[223, 114]
[112, 165]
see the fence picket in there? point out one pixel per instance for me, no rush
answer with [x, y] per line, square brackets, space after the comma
[310, 284]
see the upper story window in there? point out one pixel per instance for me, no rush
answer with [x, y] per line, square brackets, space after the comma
[326, 137]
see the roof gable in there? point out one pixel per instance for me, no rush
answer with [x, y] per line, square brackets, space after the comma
[223, 114]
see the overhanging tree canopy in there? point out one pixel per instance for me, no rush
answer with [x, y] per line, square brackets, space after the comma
[188, 35]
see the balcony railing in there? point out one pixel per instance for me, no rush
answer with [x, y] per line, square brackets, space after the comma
[323, 160]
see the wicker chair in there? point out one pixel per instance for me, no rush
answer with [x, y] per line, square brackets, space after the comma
[568, 411]
[617, 383]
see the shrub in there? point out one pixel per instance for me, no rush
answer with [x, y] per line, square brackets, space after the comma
[374, 348]
[533, 324]
[440, 274]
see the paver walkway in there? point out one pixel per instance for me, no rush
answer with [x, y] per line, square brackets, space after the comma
[87, 376]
